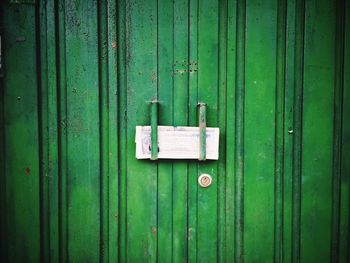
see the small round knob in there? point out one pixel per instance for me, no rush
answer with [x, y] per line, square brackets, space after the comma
[205, 180]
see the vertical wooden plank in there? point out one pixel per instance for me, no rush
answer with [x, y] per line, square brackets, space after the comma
[288, 131]
[141, 176]
[165, 96]
[43, 141]
[192, 114]
[108, 130]
[259, 130]
[208, 25]
[103, 128]
[3, 223]
[279, 128]
[239, 129]
[297, 127]
[222, 85]
[52, 131]
[21, 132]
[337, 128]
[3, 227]
[83, 146]
[62, 132]
[122, 150]
[317, 130]
[180, 117]
[230, 130]
[113, 132]
[344, 224]
[48, 126]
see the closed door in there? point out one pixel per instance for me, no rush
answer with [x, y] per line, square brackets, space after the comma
[77, 77]
[169, 51]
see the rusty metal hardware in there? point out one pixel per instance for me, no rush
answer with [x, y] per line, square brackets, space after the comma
[154, 130]
[202, 131]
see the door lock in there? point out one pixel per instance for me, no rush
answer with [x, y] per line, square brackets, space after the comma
[205, 180]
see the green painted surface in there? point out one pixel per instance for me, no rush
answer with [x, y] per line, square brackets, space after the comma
[78, 77]
[260, 130]
[21, 134]
[81, 124]
[318, 113]
[165, 96]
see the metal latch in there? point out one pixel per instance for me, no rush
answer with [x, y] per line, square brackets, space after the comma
[202, 130]
[154, 130]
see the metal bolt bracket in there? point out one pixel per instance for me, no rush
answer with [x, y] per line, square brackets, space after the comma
[154, 130]
[202, 131]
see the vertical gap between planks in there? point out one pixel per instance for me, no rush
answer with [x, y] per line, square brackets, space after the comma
[279, 133]
[188, 124]
[48, 125]
[125, 118]
[53, 187]
[192, 102]
[345, 147]
[173, 119]
[103, 129]
[44, 143]
[198, 70]
[337, 127]
[288, 128]
[3, 202]
[239, 127]
[122, 149]
[230, 131]
[158, 109]
[197, 98]
[188, 114]
[113, 142]
[297, 126]
[62, 133]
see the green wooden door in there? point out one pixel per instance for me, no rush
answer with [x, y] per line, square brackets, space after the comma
[78, 76]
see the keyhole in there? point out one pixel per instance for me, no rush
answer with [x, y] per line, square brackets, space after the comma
[205, 180]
